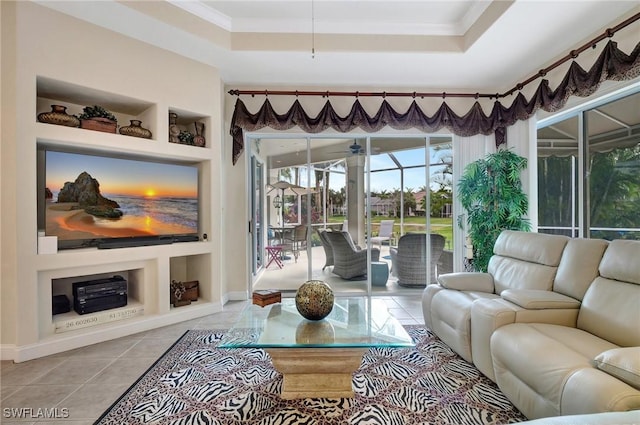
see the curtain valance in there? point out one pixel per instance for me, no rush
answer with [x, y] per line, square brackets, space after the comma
[612, 64]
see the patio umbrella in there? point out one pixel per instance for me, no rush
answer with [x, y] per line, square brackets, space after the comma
[287, 188]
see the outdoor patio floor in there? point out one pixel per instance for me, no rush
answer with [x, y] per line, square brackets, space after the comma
[293, 274]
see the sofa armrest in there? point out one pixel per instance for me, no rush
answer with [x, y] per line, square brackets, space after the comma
[631, 417]
[481, 282]
[535, 299]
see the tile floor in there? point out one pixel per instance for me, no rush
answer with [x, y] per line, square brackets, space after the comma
[77, 386]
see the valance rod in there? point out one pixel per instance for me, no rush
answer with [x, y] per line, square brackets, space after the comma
[572, 55]
[328, 93]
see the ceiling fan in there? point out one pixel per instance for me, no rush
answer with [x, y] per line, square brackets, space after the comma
[356, 149]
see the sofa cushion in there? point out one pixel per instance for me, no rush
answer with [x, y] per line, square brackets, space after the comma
[621, 261]
[482, 282]
[511, 273]
[610, 306]
[579, 266]
[541, 357]
[623, 363]
[532, 299]
[610, 311]
[525, 260]
[539, 248]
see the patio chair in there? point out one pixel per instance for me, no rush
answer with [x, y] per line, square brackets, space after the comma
[385, 233]
[349, 261]
[328, 251]
[409, 260]
[296, 241]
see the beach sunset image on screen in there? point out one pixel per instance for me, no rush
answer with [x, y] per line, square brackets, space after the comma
[96, 197]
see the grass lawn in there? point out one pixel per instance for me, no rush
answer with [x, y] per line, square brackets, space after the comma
[442, 226]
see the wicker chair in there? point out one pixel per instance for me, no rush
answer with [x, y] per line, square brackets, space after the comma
[349, 261]
[408, 261]
[328, 251]
[296, 241]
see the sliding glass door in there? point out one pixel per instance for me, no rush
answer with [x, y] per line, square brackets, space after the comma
[368, 190]
[256, 206]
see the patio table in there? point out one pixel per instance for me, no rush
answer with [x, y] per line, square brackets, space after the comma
[274, 252]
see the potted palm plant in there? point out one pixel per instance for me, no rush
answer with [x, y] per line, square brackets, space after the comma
[490, 191]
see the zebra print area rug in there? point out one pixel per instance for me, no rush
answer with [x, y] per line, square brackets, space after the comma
[197, 383]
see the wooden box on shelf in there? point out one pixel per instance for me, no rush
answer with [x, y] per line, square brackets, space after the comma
[183, 293]
[266, 297]
[99, 124]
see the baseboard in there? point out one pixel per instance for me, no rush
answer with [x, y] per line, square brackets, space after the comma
[7, 351]
[106, 332]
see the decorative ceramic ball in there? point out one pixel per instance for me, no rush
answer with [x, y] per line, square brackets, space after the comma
[314, 300]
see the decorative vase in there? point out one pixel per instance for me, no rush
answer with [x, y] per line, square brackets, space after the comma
[199, 139]
[135, 130]
[174, 130]
[59, 116]
[314, 300]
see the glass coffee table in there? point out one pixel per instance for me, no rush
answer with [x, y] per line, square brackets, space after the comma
[317, 359]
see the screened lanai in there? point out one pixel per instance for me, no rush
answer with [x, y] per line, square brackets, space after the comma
[589, 169]
[353, 184]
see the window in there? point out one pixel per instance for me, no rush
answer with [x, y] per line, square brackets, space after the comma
[589, 171]
[353, 184]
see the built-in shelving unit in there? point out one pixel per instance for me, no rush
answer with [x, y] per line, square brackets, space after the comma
[57, 59]
[148, 270]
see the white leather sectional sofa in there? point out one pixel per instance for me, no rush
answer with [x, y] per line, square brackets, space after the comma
[555, 322]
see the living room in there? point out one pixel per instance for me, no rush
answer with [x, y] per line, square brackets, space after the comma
[54, 54]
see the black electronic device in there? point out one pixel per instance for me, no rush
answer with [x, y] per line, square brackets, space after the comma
[99, 304]
[60, 304]
[99, 294]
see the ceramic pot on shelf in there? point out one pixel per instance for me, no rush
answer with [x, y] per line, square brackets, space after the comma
[198, 139]
[59, 116]
[174, 130]
[135, 130]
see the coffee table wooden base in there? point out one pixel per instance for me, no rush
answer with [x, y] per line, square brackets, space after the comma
[316, 372]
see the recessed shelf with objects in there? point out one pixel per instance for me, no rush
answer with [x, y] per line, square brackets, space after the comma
[148, 268]
[188, 128]
[74, 99]
[89, 66]
[189, 268]
[61, 283]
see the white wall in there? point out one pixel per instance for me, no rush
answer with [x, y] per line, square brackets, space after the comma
[53, 45]
[8, 233]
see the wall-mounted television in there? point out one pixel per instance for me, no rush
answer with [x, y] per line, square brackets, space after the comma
[91, 200]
